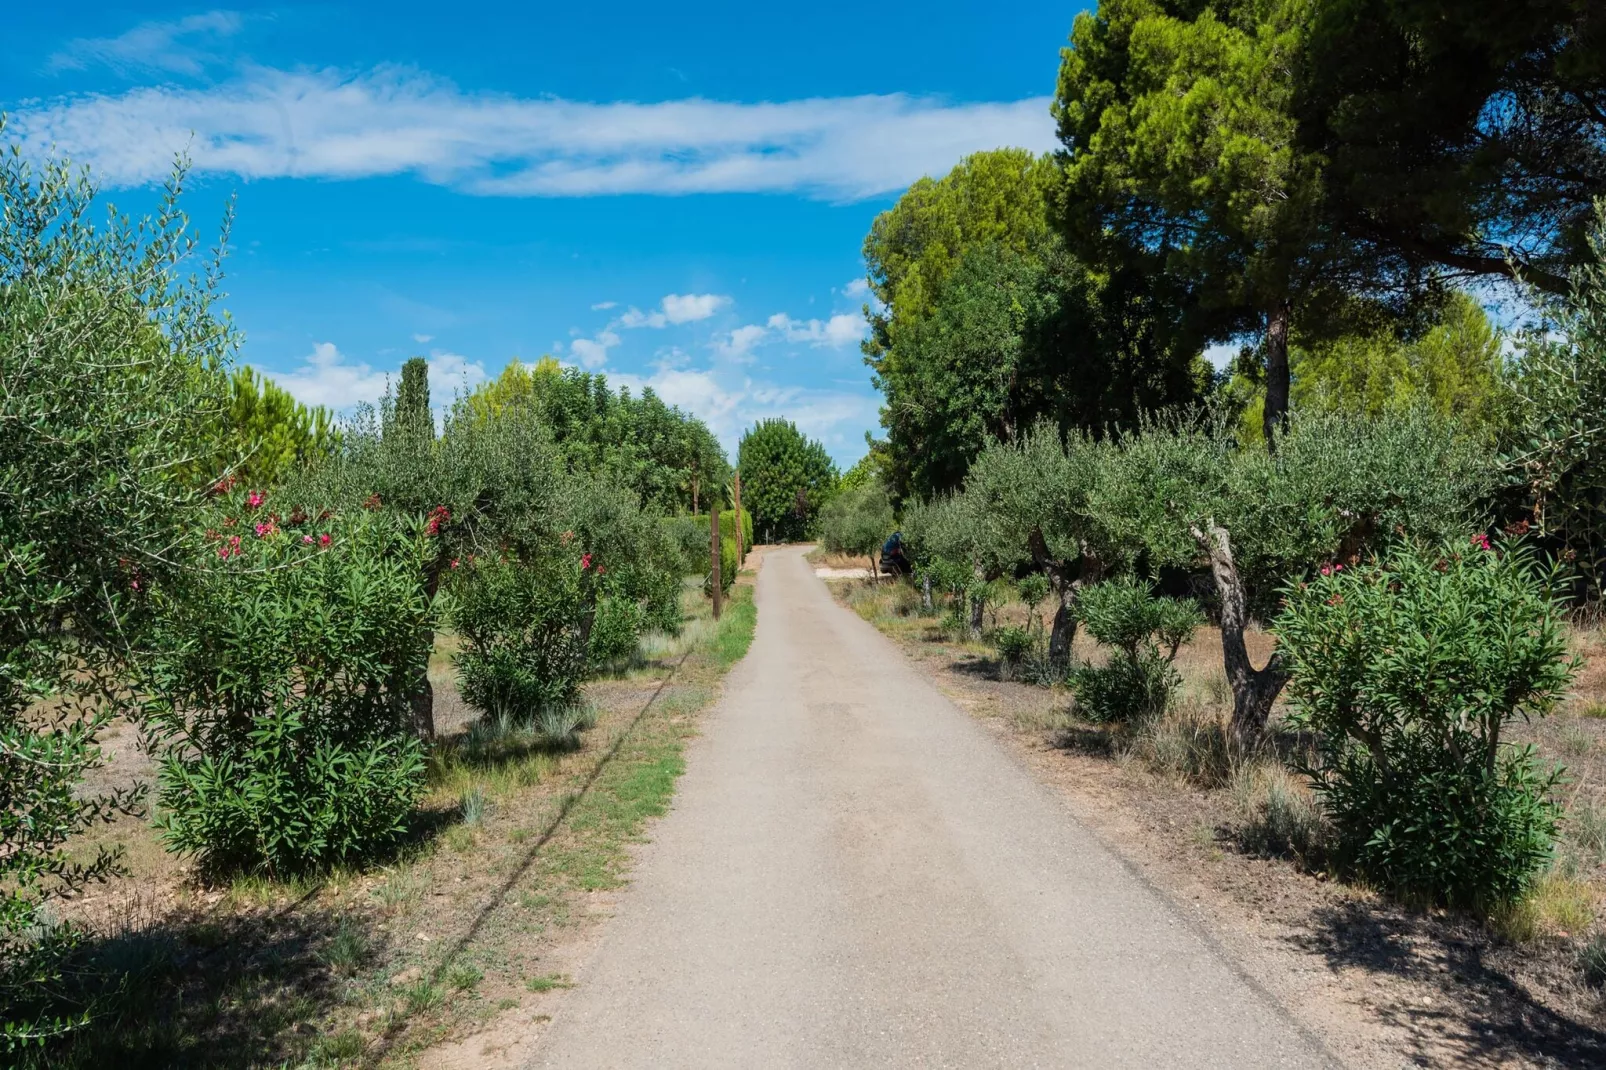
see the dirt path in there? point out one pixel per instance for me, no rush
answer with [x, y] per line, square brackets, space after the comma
[855, 874]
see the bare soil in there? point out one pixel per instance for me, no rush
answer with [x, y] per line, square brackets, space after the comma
[1383, 986]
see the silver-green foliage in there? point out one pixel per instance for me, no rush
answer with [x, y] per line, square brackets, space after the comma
[111, 356]
[857, 521]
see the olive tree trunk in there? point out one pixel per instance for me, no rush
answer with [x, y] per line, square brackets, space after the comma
[1067, 580]
[1253, 690]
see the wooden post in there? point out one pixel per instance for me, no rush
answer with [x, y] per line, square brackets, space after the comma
[713, 547]
[741, 551]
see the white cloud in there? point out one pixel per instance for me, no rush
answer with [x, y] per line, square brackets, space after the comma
[603, 306]
[326, 377]
[1222, 354]
[423, 338]
[175, 47]
[676, 308]
[267, 123]
[836, 332]
[593, 352]
[688, 308]
[450, 373]
[738, 345]
[857, 288]
[729, 407]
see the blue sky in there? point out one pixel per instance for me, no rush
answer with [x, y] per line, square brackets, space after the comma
[672, 195]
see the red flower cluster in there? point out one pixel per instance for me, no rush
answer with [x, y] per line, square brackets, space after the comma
[254, 499]
[1481, 541]
[1517, 530]
[324, 539]
[224, 485]
[437, 516]
[372, 502]
[1328, 570]
[585, 560]
[230, 548]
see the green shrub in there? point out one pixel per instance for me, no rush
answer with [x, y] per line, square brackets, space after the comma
[727, 527]
[1013, 644]
[1408, 671]
[727, 567]
[615, 631]
[1033, 590]
[525, 627]
[1144, 632]
[280, 680]
[688, 536]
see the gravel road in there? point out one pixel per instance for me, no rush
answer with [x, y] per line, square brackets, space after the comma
[854, 874]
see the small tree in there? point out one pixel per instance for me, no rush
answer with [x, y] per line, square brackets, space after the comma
[1409, 671]
[857, 522]
[1144, 633]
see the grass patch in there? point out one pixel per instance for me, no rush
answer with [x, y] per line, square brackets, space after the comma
[548, 982]
[1558, 905]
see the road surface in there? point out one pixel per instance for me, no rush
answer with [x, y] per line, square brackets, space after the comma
[854, 874]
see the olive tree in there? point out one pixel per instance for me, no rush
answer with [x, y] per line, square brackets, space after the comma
[1338, 486]
[111, 379]
[857, 521]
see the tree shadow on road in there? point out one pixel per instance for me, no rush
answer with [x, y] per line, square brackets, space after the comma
[1485, 1016]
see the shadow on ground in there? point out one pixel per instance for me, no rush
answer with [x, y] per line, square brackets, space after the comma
[1488, 1015]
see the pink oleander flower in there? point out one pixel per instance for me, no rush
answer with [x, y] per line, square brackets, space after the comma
[307, 539]
[254, 499]
[1327, 570]
[324, 540]
[1481, 541]
[585, 560]
[454, 562]
[264, 530]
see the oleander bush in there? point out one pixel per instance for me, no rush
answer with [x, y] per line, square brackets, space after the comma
[279, 672]
[1409, 671]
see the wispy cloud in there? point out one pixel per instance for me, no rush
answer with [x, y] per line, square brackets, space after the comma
[269, 123]
[184, 46]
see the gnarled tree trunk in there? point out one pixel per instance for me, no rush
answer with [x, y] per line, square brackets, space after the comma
[1088, 570]
[1253, 690]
